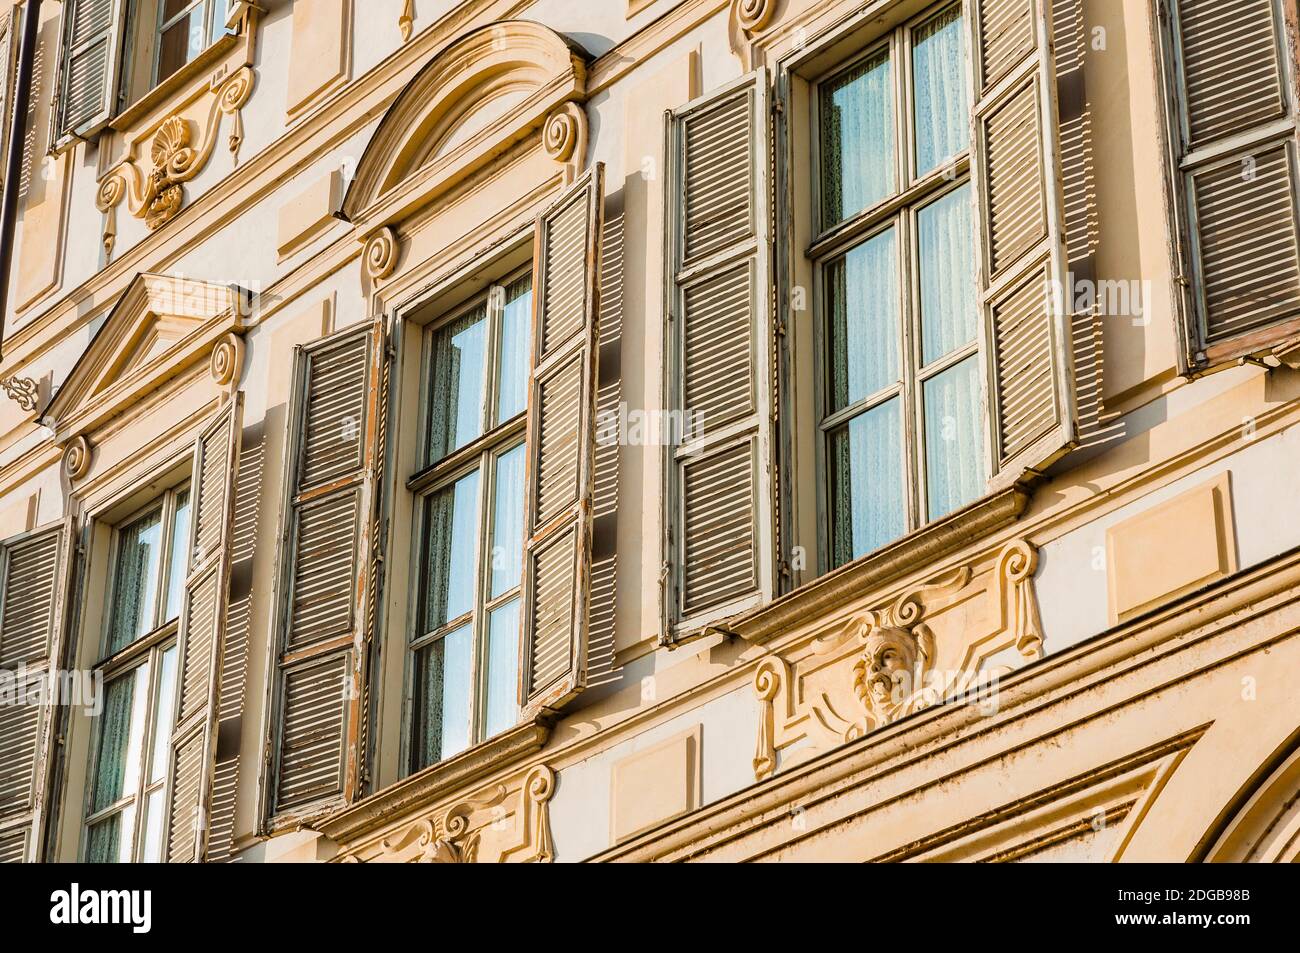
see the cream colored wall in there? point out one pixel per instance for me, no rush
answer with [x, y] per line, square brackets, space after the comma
[1176, 436]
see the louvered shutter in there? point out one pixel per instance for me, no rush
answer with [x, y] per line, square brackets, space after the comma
[561, 446]
[325, 567]
[202, 627]
[8, 51]
[93, 33]
[1021, 247]
[34, 574]
[1237, 166]
[718, 516]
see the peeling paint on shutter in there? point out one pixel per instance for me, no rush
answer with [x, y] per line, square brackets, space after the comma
[326, 567]
[1026, 328]
[719, 479]
[561, 447]
[1237, 175]
[35, 572]
[202, 630]
[93, 32]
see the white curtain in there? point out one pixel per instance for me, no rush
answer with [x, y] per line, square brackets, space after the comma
[939, 81]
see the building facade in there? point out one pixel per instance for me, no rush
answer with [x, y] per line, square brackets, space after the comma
[542, 430]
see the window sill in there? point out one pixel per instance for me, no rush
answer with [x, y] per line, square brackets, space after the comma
[178, 83]
[423, 789]
[927, 544]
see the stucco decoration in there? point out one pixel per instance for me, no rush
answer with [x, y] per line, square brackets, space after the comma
[501, 822]
[158, 195]
[162, 327]
[747, 18]
[406, 19]
[948, 640]
[492, 90]
[381, 253]
[76, 459]
[21, 390]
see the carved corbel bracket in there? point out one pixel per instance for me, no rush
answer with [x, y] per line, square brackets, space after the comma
[381, 252]
[76, 458]
[158, 196]
[747, 18]
[564, 137]
[227, 360]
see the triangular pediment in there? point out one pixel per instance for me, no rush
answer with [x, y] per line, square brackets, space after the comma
[162, 325]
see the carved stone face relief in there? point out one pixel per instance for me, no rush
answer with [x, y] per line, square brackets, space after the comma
[947, 640]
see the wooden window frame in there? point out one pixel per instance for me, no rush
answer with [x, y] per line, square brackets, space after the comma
[479, 455]
[898, 210]
[148, 648]
[1196, 355]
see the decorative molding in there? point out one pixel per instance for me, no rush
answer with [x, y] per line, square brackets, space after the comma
[22, 391]
[927, 646]
[157, 197]
[746, 19]
[382, 249]
[76, 458]
[564, 136]
[227, 361]
[499, 823]
[406, 20]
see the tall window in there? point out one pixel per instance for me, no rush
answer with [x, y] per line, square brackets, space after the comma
[125, 806]
[466, 644]
[185, 28]
[902, 421]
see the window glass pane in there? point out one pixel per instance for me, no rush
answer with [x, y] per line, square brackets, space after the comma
[135, 581]
[179, 563]
[862, 287]
[451, 548]
[503, 668]
[512, 386]
[153, 829]
[109, 840]
[857, 139]
[117, 768]
[508, 522]
[949, 314]
[954, 438]
[456, 394]
[866, 458]
[181, 42]
[163, 715]
[442, 697]
[939, 83]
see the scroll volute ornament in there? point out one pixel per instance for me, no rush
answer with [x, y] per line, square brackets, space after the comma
[76, 458]
[753, 15]
[564, 137]
[381, 254]
[227, 361]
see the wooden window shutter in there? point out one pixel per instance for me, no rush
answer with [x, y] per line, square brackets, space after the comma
[561, 447]
[325, 569]
[35, 573]
[718, 518]
[8, 61]
[1236, 174]
[202, 629]
[1021, 247]
[93, 34]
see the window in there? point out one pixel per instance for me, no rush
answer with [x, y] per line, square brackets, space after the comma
[1233, 118]
[126, 813]
[465, 648]
[902, 422]
[165, 35]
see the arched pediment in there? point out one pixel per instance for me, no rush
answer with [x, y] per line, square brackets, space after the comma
[486, 90]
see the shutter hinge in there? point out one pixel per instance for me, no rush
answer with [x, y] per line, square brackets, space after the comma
[1183, 280]
[780, 327]
[778, 107]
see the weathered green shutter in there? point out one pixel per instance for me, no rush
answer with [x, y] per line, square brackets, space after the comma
[202, 628]
[326, 564]
[93, 35]
[34, 574]
[561, 446]
[1236, 158]
[1021, 249]
[719, 509]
